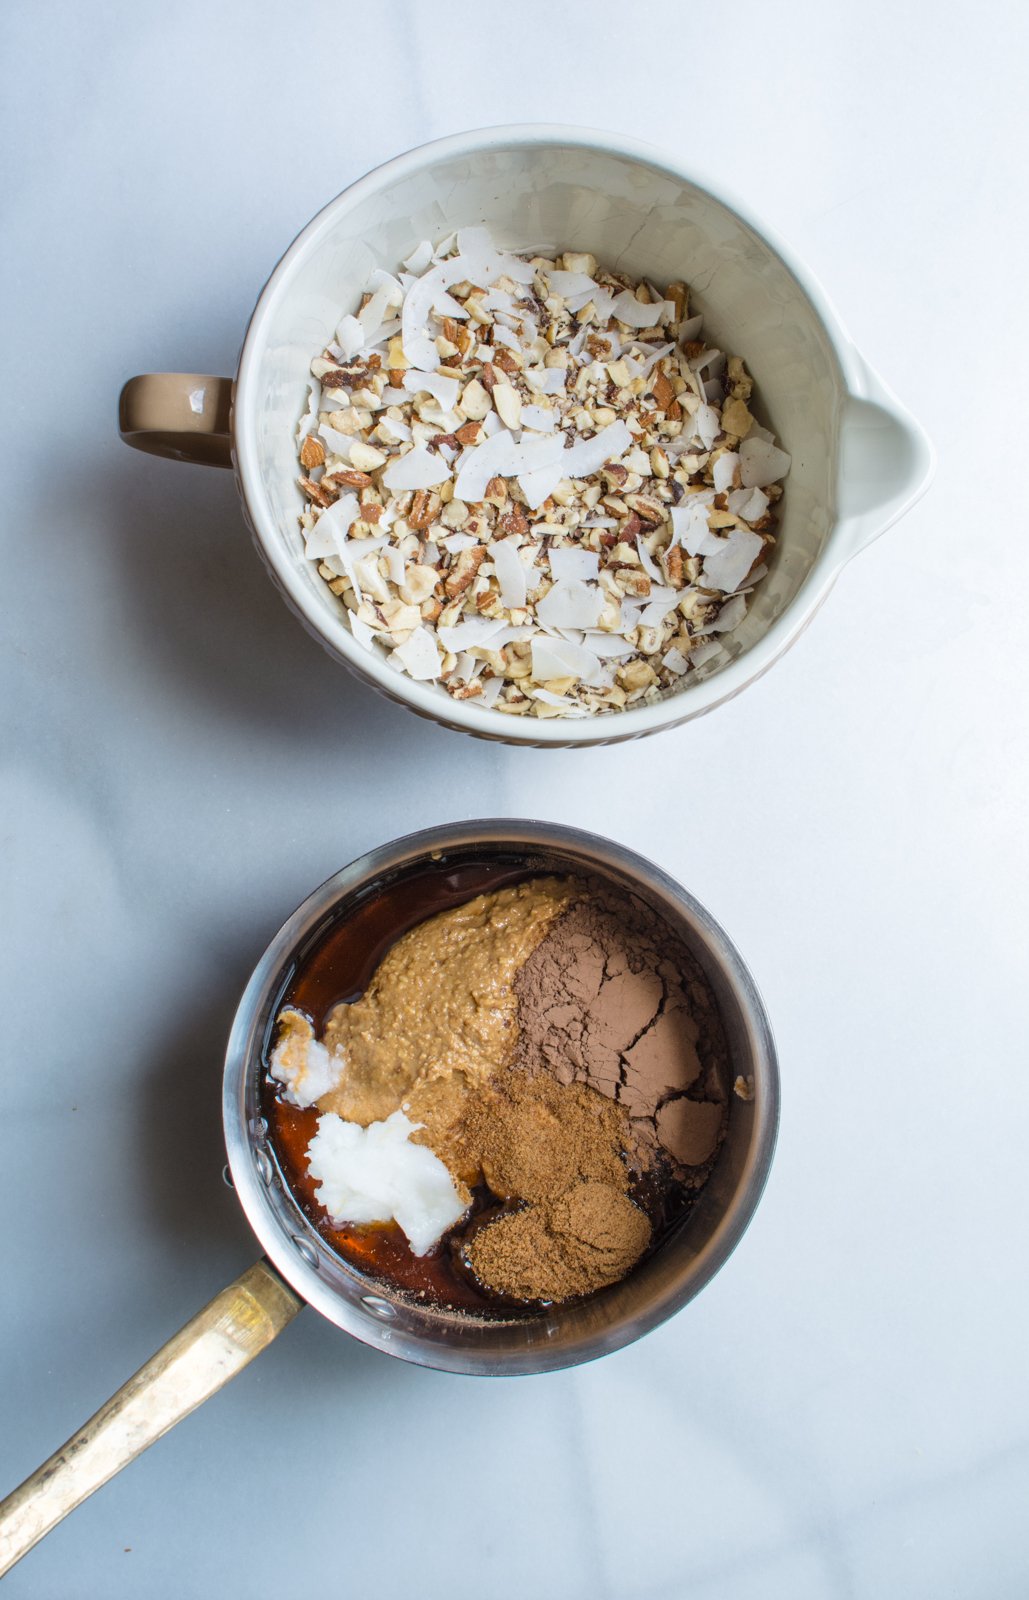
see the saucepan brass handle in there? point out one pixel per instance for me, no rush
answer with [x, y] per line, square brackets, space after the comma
[213, 1347]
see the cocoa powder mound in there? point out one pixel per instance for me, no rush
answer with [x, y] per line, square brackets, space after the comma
[612, 999]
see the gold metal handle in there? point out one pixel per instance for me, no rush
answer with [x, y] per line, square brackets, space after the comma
[185, 415]
[218, 1343]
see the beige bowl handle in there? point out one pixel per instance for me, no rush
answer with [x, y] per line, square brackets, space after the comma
[185, 415]
[219, 1342]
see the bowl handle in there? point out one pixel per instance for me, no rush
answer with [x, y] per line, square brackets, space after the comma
[185, 415]
[212, 1348]
[886, 461]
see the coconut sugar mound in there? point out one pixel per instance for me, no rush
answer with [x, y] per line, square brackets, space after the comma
[532, 1137]
[586, 1240]
[561, 1150]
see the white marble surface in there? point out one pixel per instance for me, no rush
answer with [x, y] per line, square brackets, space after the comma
[842, 1415]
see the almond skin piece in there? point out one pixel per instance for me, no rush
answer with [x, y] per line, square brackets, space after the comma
[663, 392]
[312, 452]
[315, 492]
[349, 478]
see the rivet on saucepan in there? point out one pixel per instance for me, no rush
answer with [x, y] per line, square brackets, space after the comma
[227, 1177]
[379, 1308]
[307, 1250]
[262, 1161]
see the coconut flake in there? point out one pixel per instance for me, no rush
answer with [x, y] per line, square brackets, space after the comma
[364, 635]
[724, 471]
[309, 420]
[609, 646]
[542, 418]
[707, 425]
[568, 284]
[398, 432]
[419, 654]
[675, 661]
[443, 389]
[602, 301]
[572, 562]
[511, 574]
[657, 608]
[546, 380]
[349, 337]
[418, 469]
[650, 566]
[468, 633]
[570, 604]
[504, 456]
[690, 529]
[689, 329]
[731, 615]
[650, 362]
[328, 537]
[454, 543]
[750, 504]
[394, 565]
[502, 335]
[761, 463]
[420, 258]
[587, 456]
[537, 486]
[561, 658]
[704, 651]
[634, 314]
[726, 567]
[353, 552]
[419, 348]
[336, 443]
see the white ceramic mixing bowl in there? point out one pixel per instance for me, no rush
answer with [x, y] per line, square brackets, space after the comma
[859, 460]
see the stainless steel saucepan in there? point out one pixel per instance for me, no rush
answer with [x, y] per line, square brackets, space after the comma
[299, 1267]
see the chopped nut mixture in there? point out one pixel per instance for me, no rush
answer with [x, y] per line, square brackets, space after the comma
[532, 482]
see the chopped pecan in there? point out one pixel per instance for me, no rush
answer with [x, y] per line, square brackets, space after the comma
[463, 571]
[420, 512]
[515, 520]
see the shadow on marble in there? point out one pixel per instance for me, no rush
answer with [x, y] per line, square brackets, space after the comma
[202, 614]
[184, 1198]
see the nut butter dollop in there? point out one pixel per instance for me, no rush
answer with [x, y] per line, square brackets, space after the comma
[440, 1015]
